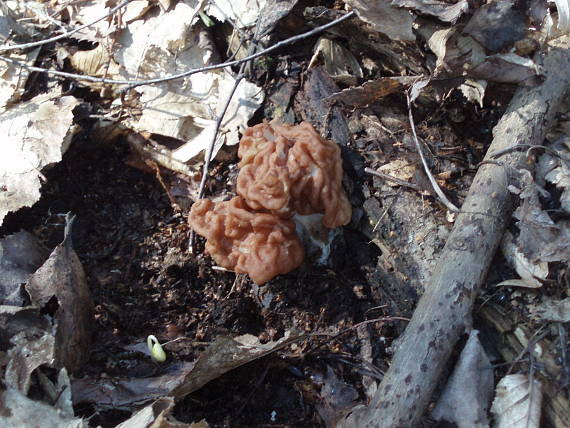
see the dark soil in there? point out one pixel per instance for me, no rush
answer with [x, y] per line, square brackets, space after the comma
[134, 246]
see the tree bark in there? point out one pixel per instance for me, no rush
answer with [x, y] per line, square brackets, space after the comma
[443, 313]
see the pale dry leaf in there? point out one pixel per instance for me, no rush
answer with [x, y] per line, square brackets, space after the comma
[335, 400]
[385, 18]
[31, 348]
[339, 62]
[556, 170]
[154, 415]
[244, 13]
[474, 90]
[399, 168]
[20, 255]
[201, 128]
[19, 411]
[184, 109]
[521, 283]
[89, 11]
[135, 10]
[540, 238]
[446, 12]
[530, 272]
[13, 78]
[552, 310]
[62, 278]
[508, 68]
[162, 45]
[563, 8]
[467, 395]
[35, 134]
[221, 356]
[95, 62]
[455, 53]
[497, 25]
[437, 41]
[516, 404]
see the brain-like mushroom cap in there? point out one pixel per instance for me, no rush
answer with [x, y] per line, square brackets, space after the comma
[262, 245]
[287, 169]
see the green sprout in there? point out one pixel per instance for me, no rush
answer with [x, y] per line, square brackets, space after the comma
[206, 19]
[155, 348]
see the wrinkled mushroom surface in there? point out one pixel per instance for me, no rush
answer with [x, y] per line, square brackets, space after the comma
[286, 169]
[262, 245]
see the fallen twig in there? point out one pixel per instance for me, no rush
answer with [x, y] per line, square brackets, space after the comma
[434, 184]
[131, 84]
[219, 120]
[64, 35]
[394, 179]
[443, 313]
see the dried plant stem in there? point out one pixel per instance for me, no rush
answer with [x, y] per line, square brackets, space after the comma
[64, 35]
[219, 120]
[394, 179]
[135, 83]
[434, 184]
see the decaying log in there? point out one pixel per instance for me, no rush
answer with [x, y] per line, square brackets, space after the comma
[443, 313]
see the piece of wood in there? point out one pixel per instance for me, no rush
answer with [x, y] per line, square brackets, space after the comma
[443, 313]
[516, 341]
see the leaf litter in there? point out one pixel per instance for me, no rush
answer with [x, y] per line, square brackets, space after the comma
[204, 312]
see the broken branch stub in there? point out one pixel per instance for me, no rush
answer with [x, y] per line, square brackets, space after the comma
[443, 313]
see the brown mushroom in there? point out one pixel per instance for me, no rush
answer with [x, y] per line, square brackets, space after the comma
[288, 169]
[284, 170]
[262, 245]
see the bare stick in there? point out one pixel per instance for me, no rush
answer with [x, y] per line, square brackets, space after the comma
[64, 35]
[210, 148]
[443, 313]
[134, 83]
[394, 179]
[434, 184]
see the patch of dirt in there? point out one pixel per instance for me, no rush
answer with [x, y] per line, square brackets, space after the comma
[134, 248]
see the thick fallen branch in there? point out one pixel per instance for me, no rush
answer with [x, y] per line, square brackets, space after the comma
[443, 313]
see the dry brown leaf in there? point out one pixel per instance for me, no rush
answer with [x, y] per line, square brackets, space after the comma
[19, 411]
[372, 91]
[13, 78]
[20, 255]
[95, 62]
[223, 355]
[497, 25]
[34, 134]
[339, 62]
[447, 12]
[385, 18]
[155, 415]
[399, 168]
[61, 278]
[552, 310]
[530, 272]
[467, 395]
[516, 403]
[508, 68]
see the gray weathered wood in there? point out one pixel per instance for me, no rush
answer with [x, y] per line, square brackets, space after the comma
[443, 313]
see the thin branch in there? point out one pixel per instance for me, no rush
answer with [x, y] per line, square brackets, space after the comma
[210, 148]
[134, 83]
[64, 35]
[434, 184]
[394, 179]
